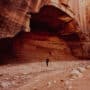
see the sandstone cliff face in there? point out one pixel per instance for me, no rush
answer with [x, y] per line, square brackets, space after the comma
[20, 15]
[12, 17]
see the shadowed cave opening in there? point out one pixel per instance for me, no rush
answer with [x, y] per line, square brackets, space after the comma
[51, 20]
[55, 22]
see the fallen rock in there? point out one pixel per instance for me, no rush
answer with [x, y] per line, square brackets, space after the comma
[13, 83]
[62, 80]
[55, 81]
[75, 74]
[67, 82]
[5, 84]
[69, 87]
[35, 88]
[49, 84]
[25, 73]
[88, 67]
[81, 69]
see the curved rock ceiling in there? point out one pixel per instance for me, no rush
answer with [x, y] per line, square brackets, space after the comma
[14, 17]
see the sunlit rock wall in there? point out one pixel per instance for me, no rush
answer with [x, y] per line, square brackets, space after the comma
[81, 8]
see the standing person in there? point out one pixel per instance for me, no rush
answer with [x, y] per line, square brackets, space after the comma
[48, 59]
[47, 62]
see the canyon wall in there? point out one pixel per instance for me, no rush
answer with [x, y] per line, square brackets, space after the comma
[81, 9]
[13, 17]
[14, 12]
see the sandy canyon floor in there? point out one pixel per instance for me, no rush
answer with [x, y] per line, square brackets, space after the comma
[63, 75]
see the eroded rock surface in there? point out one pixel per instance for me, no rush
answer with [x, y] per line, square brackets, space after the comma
[13, 15]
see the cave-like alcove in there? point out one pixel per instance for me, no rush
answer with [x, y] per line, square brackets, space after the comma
[56, 22]
[48, 20]
[51, 29]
